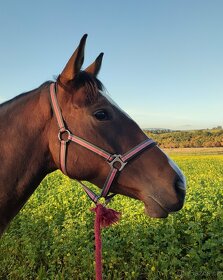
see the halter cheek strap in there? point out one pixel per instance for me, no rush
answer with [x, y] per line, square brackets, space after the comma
[116, 162]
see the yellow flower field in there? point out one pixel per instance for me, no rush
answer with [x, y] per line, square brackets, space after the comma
[53, 238]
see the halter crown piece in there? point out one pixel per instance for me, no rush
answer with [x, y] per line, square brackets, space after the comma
[104, 216]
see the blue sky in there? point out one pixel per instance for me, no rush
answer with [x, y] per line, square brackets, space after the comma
[163, 59]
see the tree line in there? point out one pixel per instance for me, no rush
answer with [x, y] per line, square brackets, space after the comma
[187, 139]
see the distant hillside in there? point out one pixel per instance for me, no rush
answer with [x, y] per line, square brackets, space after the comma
[158, 130]
[188, 139]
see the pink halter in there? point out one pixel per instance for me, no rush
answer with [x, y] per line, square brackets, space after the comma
[111, 159]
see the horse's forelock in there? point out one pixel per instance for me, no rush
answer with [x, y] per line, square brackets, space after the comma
[91, 85]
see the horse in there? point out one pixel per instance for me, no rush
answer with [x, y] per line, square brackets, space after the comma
[73, 125]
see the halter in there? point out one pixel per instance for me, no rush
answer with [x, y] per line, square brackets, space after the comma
[116, 161]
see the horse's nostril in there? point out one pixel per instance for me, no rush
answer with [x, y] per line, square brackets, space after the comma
[180, 184]
[180, 187]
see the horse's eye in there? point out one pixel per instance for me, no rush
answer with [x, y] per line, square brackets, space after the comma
[101, 115]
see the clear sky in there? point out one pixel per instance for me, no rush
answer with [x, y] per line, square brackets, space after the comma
[163, 60]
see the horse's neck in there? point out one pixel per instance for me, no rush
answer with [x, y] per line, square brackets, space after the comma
[24, 155]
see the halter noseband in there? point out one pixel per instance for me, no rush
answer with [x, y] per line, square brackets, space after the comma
[116, 162]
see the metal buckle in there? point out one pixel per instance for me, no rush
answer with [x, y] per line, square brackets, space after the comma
[117, 158]
[61, 132]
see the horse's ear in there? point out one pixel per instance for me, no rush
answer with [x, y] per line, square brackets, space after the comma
[95, 67]
[74, 64]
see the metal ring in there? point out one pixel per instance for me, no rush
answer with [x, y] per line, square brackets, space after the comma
[61, 133]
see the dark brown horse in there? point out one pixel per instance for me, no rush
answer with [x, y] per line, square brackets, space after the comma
[30, 148]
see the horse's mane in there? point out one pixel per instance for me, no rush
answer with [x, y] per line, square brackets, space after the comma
[18, 97]
[90, 83]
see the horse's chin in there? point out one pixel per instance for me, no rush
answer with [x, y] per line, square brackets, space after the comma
[154, 210]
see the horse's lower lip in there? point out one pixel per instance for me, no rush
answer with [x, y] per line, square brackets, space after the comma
[154, 209]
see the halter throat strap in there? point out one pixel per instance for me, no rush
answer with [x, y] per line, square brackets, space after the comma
[115, 161]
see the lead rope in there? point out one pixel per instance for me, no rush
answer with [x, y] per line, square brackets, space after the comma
[104, 217]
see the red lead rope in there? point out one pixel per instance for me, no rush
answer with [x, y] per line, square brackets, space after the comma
[104, 217]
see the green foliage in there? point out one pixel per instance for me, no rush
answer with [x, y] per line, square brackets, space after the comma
[188, 139]
[52, 237]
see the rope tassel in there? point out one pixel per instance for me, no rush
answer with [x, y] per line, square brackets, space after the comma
[104, 217]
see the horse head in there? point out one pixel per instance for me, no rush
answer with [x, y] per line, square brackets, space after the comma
[90, 114]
